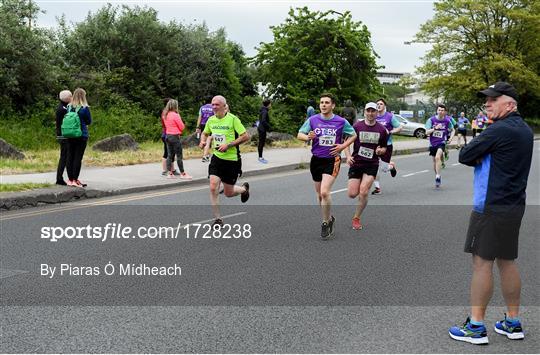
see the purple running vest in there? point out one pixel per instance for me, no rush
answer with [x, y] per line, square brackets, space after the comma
[440, 135]
[329, 132]
[206, 113]
[386, 120]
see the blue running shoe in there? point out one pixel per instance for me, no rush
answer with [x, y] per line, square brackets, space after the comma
[512, 330]
[438, 182]
[474, 334]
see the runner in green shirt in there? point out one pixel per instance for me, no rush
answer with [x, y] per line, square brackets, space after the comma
[228, 133]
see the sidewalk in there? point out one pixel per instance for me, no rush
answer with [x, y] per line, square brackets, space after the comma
[144, 177]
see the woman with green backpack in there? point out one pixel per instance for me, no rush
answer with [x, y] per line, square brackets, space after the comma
[77, 135]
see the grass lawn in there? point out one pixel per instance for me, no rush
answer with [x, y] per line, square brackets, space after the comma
[22, 186]
[38, 161]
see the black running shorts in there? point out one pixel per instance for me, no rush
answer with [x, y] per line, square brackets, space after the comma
[227, 170]
[356, 172]
[388, 155]
[493, 236]
[433, 150]
[319, 166]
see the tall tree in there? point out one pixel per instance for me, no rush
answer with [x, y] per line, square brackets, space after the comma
[26, 73]
[479, 42]
[314, 52]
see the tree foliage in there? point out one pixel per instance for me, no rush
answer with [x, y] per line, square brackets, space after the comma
[26, 72]
[315, 52]
[479, 42]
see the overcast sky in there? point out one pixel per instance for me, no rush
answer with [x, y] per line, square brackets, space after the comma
[247, 22]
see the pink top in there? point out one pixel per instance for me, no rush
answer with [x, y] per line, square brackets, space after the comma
[173, 123]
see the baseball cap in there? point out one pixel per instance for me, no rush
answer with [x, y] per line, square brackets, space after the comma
[372, 105]
[498, 89]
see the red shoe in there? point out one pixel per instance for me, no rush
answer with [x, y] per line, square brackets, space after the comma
[356, 224]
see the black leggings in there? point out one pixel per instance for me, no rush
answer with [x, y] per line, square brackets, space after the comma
[174, 147]
[75, 153]
[262, 141]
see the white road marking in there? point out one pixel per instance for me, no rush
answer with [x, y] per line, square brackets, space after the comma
[418, 172]
[212, 220]
[340, 190]
[456, 164]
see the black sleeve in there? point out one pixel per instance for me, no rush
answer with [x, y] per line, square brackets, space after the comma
[60, 113]
[264, 120]
[479, 147]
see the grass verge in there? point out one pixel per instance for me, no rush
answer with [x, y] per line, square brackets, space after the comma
[22, 186]
[39, 161]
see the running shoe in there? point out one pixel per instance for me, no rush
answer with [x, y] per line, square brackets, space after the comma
[356, 224]
[218, 222]
[332, 225]
[171, 176]
[376, 191]
[438, 182]
[71, 183]
[244, 196]
[185, 176]
[325, 231]
[61, 182]
[512, 330]
[176, 173]
[474, 334]
[262, 160]
[164, 173]
[205, 159]
[393, 171]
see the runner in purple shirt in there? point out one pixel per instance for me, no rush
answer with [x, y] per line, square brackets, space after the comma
[371, 143]
[327, 132]
[440, 130]
[205, 112]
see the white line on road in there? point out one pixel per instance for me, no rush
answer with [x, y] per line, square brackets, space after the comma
[455, 164]
[418, 172]
[340, 190]
[212, 220]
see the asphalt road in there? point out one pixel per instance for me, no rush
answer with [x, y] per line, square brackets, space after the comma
[396, 286]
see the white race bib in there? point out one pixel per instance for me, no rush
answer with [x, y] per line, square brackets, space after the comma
[461, 125]
[219, 139]
[366, 152]
[327, 141]
[438, 134]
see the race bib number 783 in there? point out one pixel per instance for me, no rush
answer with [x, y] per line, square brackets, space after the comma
[327, 141]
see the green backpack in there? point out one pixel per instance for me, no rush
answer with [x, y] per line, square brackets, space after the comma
[71, 125]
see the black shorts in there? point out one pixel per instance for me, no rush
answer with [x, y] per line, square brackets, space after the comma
[433, 150]
[227, 170]
[463, 132]
[493, 236]
[319, 166]
[356, 172]
[388, 155]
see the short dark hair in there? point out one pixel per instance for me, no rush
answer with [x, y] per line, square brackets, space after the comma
[383, 100]
[441, 106]
[329, 95]
[266, 102]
